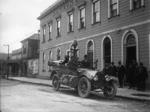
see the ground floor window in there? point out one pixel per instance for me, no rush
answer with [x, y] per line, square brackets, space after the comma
[107, 51]
[90, 51]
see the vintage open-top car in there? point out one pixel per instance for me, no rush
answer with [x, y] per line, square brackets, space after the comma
[83, 80]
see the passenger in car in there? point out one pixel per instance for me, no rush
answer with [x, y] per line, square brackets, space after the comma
[66, 60]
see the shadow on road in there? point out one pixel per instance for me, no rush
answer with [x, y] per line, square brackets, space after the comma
[92, 96]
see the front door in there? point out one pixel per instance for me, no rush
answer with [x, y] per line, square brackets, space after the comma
[130, 49]
[131, 54]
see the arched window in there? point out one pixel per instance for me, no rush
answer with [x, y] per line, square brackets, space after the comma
[90, 52]
[131, 40]
[107, 51]
[43, 61]
[50, 58]
[58, 54]
[50, 55]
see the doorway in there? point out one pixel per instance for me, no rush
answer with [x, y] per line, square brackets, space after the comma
[130, 49]
[131, 54]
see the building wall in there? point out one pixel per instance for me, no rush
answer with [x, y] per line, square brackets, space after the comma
[136, 21]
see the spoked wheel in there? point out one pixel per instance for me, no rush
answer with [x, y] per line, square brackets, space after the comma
[110, 90]
[84, 87]
[55, 83]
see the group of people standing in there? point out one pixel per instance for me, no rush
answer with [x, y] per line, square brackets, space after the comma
[134, 74]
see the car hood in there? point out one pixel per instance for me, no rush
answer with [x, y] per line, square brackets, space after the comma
[88, 72]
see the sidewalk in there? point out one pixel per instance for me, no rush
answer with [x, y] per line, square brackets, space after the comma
[121, 92]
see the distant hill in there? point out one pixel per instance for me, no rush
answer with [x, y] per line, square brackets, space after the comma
[3, 56]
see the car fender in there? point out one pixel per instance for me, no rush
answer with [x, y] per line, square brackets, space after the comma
[54, 72]
[114, 79]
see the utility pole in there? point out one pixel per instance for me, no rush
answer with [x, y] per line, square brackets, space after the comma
[7, 61]
[8, 52]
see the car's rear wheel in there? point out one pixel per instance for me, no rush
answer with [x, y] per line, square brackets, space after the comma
[84, 87]
[55, 82]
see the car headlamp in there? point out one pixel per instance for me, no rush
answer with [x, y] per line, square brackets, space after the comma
[107, 77]
[96, 78]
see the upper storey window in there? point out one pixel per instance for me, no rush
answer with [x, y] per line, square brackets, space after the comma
[113, 8]
[95, 11]
[81, 17]
[135, 4]
[58, 26]
[70, 22]
[44, 33]
[50, 31]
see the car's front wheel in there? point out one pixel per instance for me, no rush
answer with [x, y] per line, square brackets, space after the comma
[55, 82]
[111, 90]
[84, 87]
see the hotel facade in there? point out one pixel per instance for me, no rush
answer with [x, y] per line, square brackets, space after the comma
[106, 30]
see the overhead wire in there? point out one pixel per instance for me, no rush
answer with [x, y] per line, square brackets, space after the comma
[27, 35]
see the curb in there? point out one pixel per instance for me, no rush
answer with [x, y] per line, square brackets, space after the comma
[36, 83]
[131, 98]
[31, 82]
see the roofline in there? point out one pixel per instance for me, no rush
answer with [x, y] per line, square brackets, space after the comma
[29, 38]
[49, 9]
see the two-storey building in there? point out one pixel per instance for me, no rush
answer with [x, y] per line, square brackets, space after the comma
[15, 62]
[30, 55]
[107, 30]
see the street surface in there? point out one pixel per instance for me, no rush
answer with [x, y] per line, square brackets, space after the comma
[23, 97]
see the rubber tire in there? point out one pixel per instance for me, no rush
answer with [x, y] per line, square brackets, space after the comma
[55, 82]
[87, 92]
[113, 86]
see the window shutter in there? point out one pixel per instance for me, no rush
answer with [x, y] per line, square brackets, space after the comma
[92, 15]
[56, 28]
[79, 19]
[60, 25]
[68, 23]
[142, 2]
[99, 10]
[85, 16]
[131, 4]
[73, 21]
[117, 7]
[108, 8]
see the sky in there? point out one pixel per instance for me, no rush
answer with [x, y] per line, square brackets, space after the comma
[18, 20]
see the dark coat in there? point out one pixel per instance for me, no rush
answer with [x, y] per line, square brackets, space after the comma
[142, 73]
[113, 70]
[106, 71]
[85, 64]
[130, 74]
[121, 71]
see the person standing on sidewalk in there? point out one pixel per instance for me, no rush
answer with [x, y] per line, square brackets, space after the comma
[120, 72]
[130, 76]
[113, 69]
[135, 73]
[106, 70]
[142, 76]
